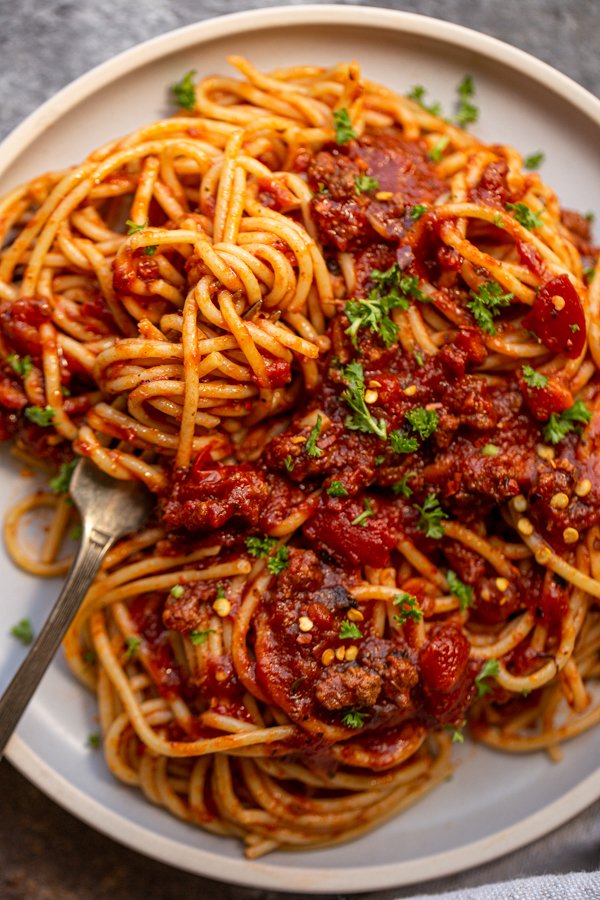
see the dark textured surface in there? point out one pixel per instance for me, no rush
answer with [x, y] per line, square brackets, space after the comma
[46, 854]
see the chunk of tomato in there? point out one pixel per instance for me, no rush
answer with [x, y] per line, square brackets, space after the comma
[557, 318]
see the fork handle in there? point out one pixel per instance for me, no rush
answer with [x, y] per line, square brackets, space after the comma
[94, 546]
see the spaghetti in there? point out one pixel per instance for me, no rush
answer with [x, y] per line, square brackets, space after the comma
[355, 354]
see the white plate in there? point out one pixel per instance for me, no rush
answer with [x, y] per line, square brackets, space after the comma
[495, 803]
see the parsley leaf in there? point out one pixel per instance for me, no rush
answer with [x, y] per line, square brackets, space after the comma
[132, 645]
[39, 416]
[354, 395]
[220, 591]
[487, 303]
[402, 443]
[279, 561]
[435, 154]
[408, 608]
[260, 546]
[134, 227]
[534, 160]
[457, 735]
[423, 421]
[525, 216]
[489, 670]
[430, 517]
[311, 443]
[22, 365]
[362, 518]
[354, 719]
[365, 183]
[467, 112]
[23, 631]
[417, 211]
[392, 290]
[94, 740]
[289, 463]
[200, 637]
[60, 483]
[184, 90]
[460, 590]
[560, 424]
[337, 489]
[343, 126]
[417, 93]
[401, 488]
[177, 591]
[349, 630]
[534, 379]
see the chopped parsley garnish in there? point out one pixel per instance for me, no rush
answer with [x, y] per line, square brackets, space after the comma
[525, 216]
[94, 740]
[435, 154]
[260, 546]
[490, 450]
[589, 275]
[418, 358]
[457, 735]
[392, 290]
[408, 608]
[184, 90]
[354, 719]
[365, 183]
[417, 211]
[498, 221]
[132, 645]
[430, 517]
[401, 488]
[263, 546]
[200, 637]
[75, 533]
[311, 443]
[22, 365]
[534, 160]
[467, 112]
[349, 630]
[289, 463]
[337, 489]
[534, 379]
[574, 328]
[279, 561]
[220, 591]
[60, 483]
[177, 591]
[39, 416]
[423, 421]
[489, 670]
[23, 631]
[134, 227]
[343, 126]
[417, 93]
[362, 518]
[559, 425]
[378, 460]
[590, 216]
[402, 443]
[460, 590]
[487, 303]
[362, 418]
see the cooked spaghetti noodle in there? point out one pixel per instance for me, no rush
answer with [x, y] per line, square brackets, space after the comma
[355, 353]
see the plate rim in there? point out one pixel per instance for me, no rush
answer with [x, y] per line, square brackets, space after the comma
[115, 825]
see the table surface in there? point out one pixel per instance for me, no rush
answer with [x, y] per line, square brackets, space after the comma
[45, 853]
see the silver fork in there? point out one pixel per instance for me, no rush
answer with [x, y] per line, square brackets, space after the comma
[109, 509]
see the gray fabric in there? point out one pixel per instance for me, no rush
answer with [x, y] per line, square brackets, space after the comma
[44, 44]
